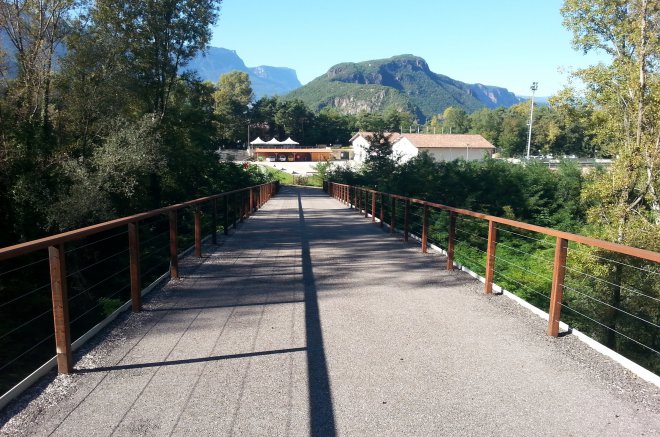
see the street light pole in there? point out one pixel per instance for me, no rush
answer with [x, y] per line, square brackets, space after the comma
[534, 87]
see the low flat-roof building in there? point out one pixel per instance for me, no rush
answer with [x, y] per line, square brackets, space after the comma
[293, 155]
[287, 150]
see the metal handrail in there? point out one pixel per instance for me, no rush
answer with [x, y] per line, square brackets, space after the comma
[248, 200]
[357, 196]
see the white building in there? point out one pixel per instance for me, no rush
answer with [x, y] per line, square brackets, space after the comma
[360, 143]
[442, 147]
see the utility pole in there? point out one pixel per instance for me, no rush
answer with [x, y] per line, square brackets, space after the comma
[534, 87]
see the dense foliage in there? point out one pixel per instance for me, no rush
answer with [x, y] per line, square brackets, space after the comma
[108, 126]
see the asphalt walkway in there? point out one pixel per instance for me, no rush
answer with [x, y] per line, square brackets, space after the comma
[310, 320]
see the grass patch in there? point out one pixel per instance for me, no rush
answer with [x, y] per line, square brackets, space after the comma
[290, 179]
[279, 175]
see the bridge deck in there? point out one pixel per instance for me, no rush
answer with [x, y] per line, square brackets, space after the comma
[311, 320]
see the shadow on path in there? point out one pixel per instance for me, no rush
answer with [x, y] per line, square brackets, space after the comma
[190, 360]
[322, 416]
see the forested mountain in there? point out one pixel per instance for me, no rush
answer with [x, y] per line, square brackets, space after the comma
[402, 82]
[266, 80]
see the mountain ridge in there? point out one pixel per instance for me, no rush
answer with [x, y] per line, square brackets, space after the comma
[266, 80]
[404, 82]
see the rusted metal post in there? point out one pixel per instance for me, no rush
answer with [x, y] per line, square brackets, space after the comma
[241, 206]
[373, 207]
[60, 308]
[174, 257]
[226, 218]
[406, 212]
[360, 200]
[251, 201]
[365, 202]
[234, 211]
[382, 210]
[451, 240]
[198, 233]
[490, 256]
[425, 229]
[393, 215]
[557, 293]
[214, 222]
[134, 256]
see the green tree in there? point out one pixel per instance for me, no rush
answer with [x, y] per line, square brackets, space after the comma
[513, 137]
[156, 38]
[34, 30]
[487, 123]
[232, 98]
[624, 97]
[455, 121]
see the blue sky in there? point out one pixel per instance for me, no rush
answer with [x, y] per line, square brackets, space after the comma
[508, 43]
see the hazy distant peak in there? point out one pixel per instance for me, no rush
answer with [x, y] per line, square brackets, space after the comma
[266, 80]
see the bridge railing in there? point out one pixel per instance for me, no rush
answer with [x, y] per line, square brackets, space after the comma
[612, 289]
[93, 270]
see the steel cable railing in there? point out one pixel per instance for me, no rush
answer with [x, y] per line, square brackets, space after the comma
[615, 287]
[94, 270]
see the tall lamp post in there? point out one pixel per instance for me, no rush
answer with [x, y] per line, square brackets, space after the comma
[534, 87]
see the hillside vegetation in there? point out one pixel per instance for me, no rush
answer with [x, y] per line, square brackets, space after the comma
[404, 83]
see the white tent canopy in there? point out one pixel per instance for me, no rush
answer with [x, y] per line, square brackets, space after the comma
[290, 142]
[273, 142]
[257, 142]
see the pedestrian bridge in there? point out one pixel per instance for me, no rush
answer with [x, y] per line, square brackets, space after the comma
[311, 320]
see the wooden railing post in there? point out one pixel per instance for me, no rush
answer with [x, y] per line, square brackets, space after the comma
[234, 210]
[174, 257]
[490, 256]
[373, 207]
[406, 211]
[134, 256]
[251, 201]
[425, 229]
[60, 308]
[198, 232]
[241, 206]
[451, 240]
[225, 222]
[557, 293]
[365, 203]
[214, 222]
[392, 214]
[382, 210]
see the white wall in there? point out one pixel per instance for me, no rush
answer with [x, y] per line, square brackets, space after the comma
[452, 153]
[404, 150]
[360, 147]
